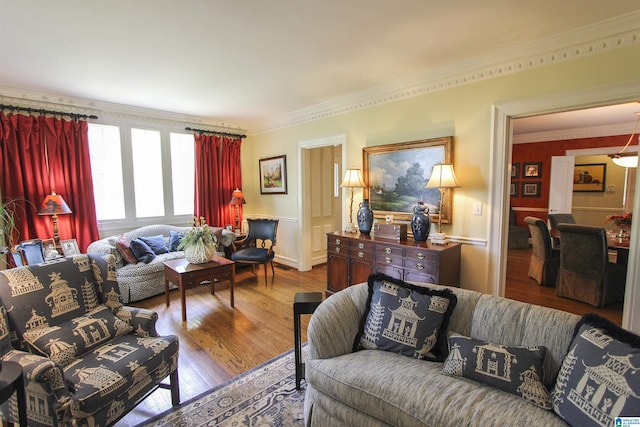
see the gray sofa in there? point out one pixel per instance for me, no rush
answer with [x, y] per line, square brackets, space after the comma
[380, 388]
[139, 281]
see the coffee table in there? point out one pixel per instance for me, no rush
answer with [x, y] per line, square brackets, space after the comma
[183, 275]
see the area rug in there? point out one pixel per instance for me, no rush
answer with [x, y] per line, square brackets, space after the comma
[264, 396]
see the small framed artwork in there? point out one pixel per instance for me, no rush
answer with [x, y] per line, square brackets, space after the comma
[70, 247]
[515, 170]
[589, 177]
[273, 175]
[513, 189]
[531, 189]
[532, 170]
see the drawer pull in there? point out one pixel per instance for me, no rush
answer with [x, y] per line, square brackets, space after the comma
[387, 250]
[419, 266]
[338, 241]
[360, 254]
[338, 250]
[388, 260]
[360, 245]
[420, 255]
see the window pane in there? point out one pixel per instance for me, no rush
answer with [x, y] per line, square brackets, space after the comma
[147, 172]
[106, 171]
[182, 172]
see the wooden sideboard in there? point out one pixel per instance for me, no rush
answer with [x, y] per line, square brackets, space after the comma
[352, 257]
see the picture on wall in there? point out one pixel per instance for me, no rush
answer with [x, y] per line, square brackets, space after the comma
[589, 177]
[515, 170]
[531, 189]
[396, 176]
[273, 175]
[513, 189]
[70, 247]
[532, 170]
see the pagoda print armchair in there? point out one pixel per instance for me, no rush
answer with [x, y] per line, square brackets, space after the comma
[87, 359]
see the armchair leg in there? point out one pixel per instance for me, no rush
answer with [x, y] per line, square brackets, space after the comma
[175, 388]
[265, 273]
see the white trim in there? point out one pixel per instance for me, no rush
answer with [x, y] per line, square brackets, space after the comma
[501, 147]
[599, 151]
[564, 134]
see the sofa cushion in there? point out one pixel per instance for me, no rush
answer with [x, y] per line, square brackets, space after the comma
[403, 391]
[156, 243]
[174, 240]
[142, 251]
[598, 380]
[123, 245]
[404, 318]
[516, 370]
[65, 342]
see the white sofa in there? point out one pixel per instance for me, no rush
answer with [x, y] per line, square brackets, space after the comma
[140, 281]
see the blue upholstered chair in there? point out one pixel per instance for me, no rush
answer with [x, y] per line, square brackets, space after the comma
[263, 231]
[28, 252]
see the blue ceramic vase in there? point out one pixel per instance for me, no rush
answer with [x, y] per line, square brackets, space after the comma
[420, 222]
[365, 217]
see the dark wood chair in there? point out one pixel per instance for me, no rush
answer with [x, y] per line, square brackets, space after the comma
[545, 260]
[585, 271]
[264, 231]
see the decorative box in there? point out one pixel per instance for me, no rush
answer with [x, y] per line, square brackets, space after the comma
[390, 231]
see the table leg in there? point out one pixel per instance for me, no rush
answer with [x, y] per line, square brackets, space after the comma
[183, 300]
[233, 281]
[166, 292]
[22, 402]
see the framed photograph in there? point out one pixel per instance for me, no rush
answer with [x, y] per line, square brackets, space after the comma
[69, 247]
[396, 176]
[515, 170]
[513, 189]
[531, 189]
[273, 175]
[589, 177]
[532, 170]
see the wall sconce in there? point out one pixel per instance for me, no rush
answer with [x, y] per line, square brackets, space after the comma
[442, 177]
[237, 199]
[352, 179]
[54, 205]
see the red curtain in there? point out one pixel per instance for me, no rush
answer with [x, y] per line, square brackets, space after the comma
[218, 173]
[40, 155]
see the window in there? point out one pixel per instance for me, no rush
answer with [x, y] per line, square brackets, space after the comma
[141, 174]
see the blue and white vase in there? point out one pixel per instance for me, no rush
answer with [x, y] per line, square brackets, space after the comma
[420, 222]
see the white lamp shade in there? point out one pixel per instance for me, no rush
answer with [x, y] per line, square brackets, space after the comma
[352, 179]
[443, 176]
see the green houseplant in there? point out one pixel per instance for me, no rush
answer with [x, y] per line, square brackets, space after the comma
[199, 243]
[8, 231]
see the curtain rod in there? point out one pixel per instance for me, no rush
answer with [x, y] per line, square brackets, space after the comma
[215, 132]
[43, 111]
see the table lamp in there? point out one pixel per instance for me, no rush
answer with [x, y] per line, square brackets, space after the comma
[352, 179]
[54, 205]
[237, 199]
[442, 177]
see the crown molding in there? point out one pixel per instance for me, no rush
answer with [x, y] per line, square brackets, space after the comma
[68, 104]
[563, 134]
[585, 41]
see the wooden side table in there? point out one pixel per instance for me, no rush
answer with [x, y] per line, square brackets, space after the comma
[11, 380]
[303, 303]
[184, 274]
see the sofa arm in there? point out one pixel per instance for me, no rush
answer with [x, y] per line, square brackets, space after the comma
[142, 320]
[335, 323]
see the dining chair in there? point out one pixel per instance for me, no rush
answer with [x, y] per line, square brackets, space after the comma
[559, 218]
[518, 236]
[28, 252]
[585, 271]
[545, 260]
[264, 231]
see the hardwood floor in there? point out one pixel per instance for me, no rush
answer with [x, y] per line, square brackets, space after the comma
[218, 342]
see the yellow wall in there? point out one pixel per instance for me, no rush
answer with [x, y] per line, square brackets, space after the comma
[463, 111]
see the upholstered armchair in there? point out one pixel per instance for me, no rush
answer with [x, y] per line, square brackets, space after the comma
[87, 359]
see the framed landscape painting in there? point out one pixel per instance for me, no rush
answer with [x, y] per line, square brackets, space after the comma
[273, 175]
[396, 176]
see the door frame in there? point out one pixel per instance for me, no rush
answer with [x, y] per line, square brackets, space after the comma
[501, 144]
[304, 212]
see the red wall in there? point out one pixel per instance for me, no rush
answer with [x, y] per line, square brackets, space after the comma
[541, 152]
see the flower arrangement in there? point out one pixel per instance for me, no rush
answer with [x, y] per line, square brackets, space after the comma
[198, 242]
[622, 220]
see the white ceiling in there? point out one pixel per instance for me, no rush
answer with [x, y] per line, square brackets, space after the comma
[250, 62]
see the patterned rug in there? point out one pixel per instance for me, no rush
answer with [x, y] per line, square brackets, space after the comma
[264, 396]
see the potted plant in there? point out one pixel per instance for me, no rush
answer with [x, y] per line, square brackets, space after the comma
[8, 208]
[199, 243]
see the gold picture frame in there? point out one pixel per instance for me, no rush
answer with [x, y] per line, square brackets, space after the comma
[396, 176]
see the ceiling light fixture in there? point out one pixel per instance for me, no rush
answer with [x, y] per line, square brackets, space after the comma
[627, 159]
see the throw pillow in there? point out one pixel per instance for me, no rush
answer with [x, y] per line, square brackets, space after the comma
[142, 251]
[156, 243]
[598, 380]
[405, 318]
[174, 240]
[66, 342]
[516, 370]
[123, 245]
